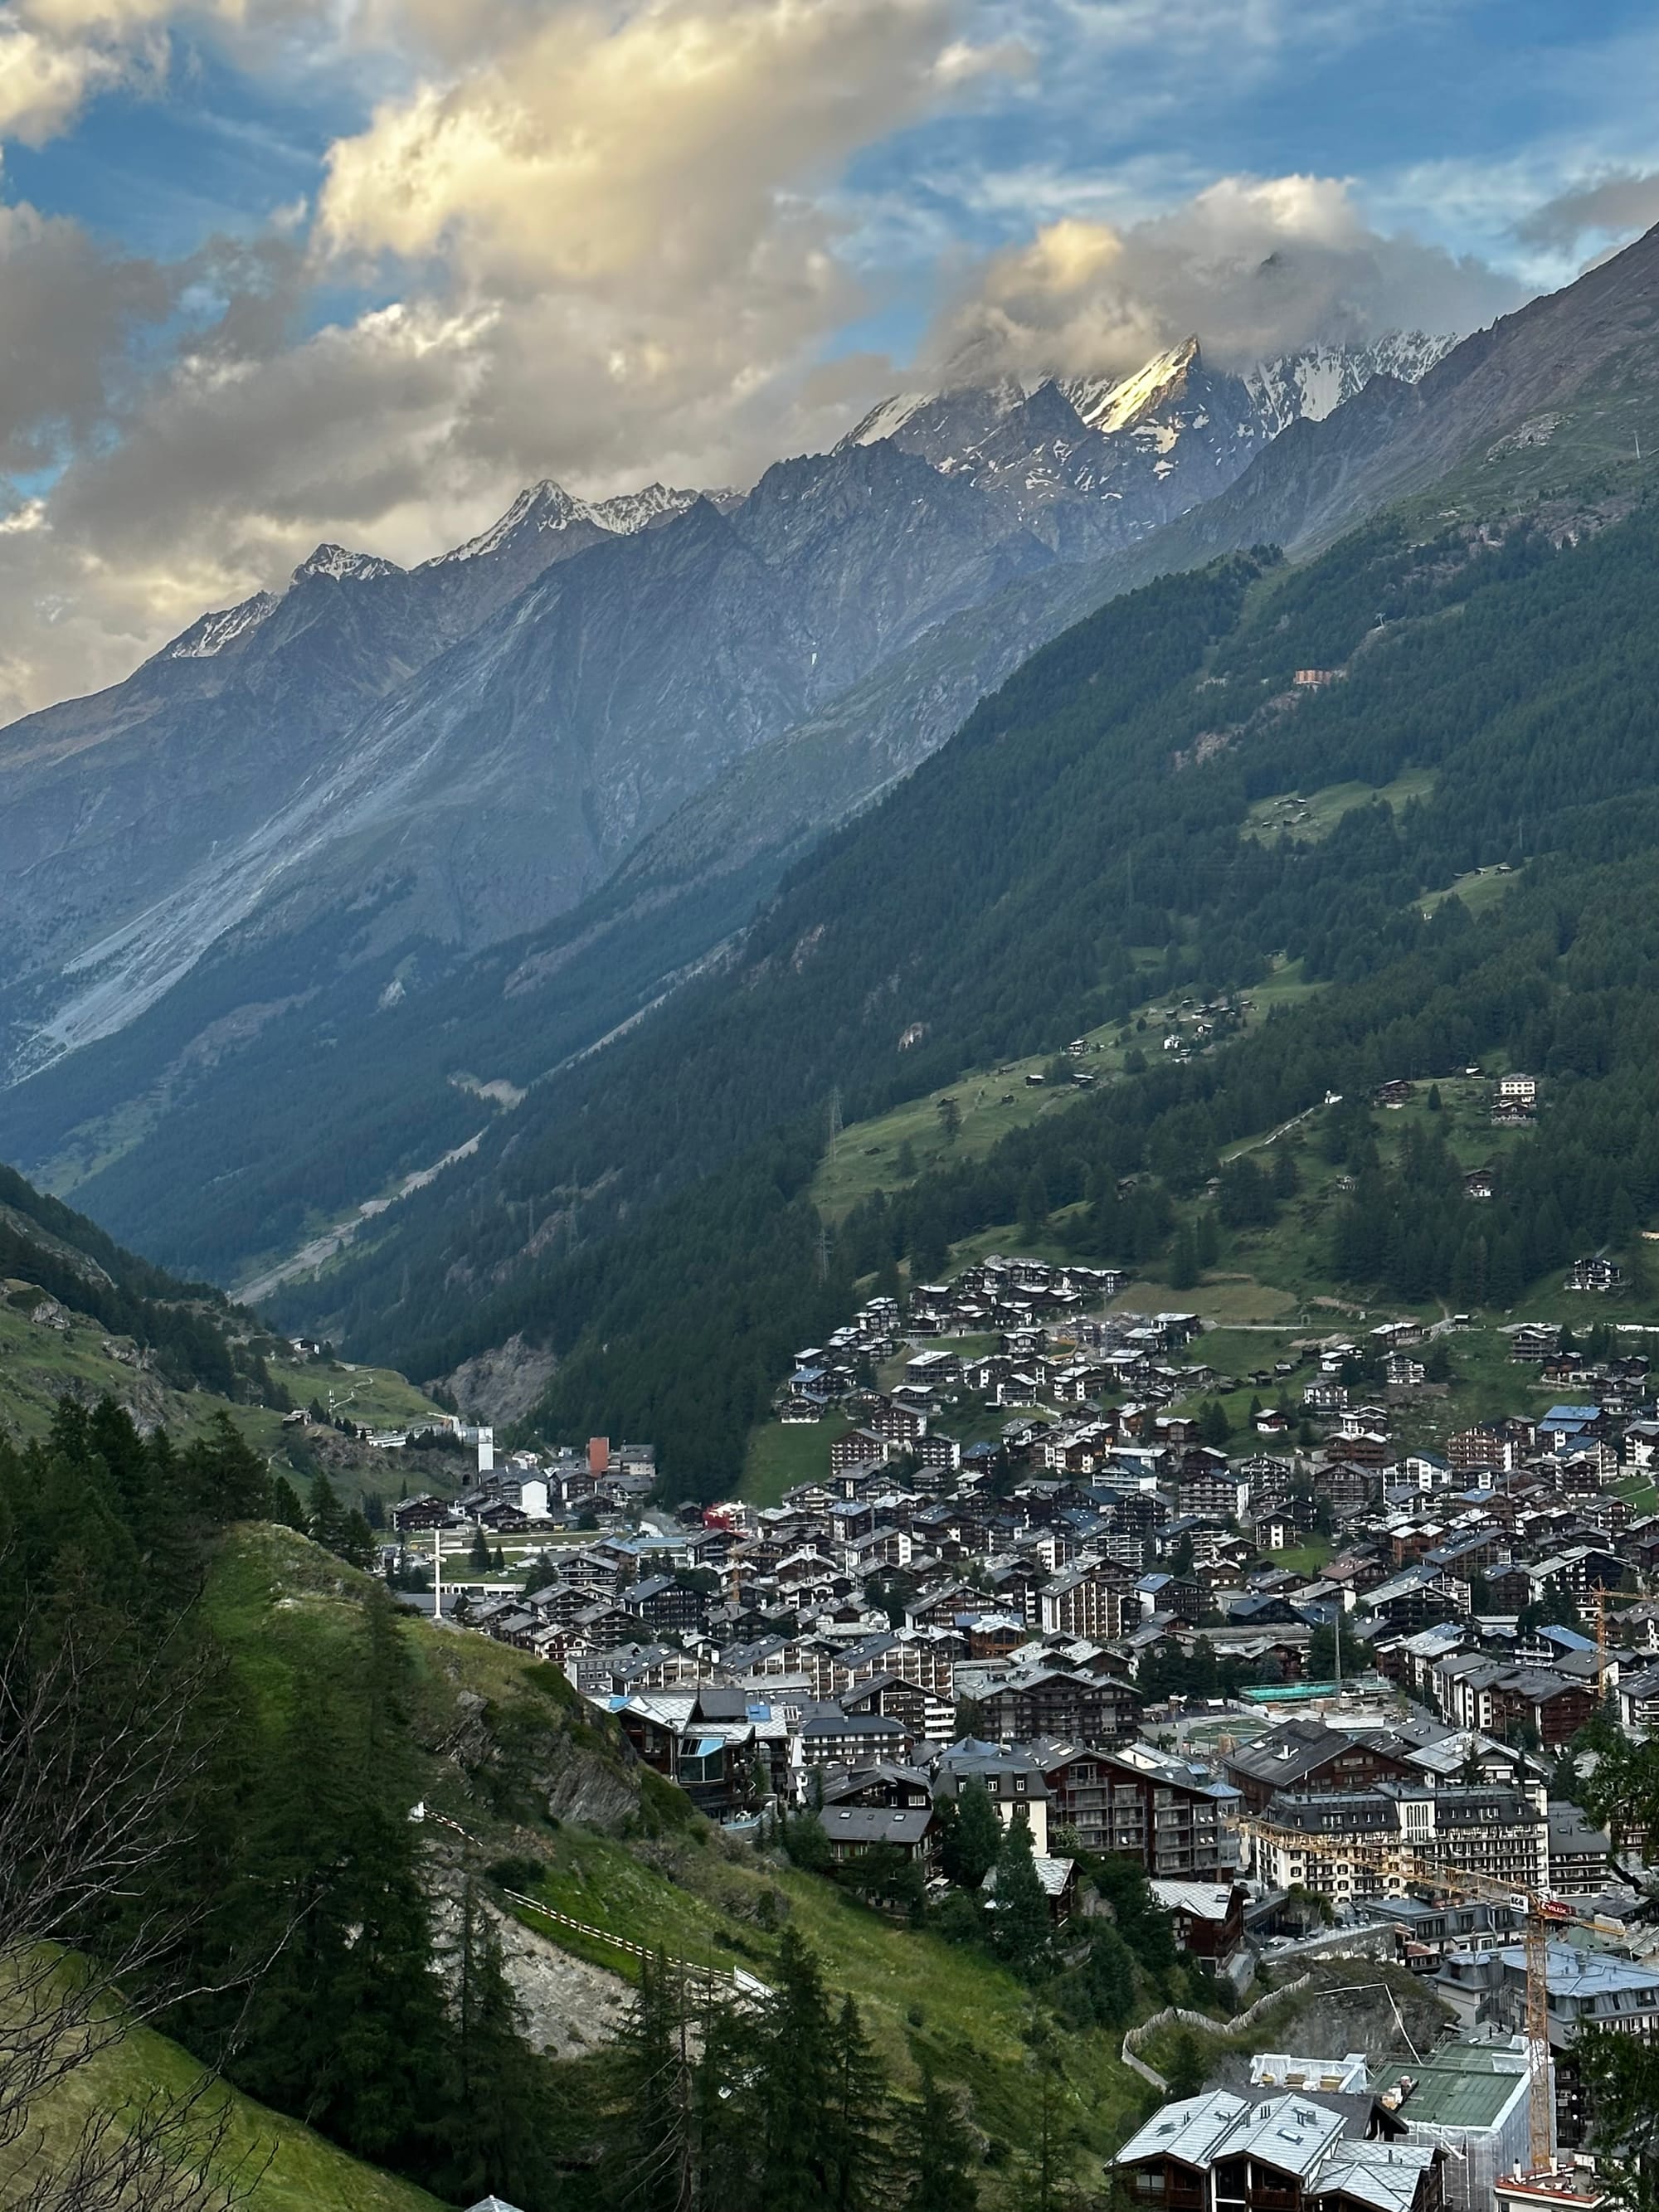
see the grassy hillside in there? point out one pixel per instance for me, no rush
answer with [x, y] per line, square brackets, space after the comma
[71, 1354]
[995, 1100]
[289, 2168]
[924, 2002]
[287, 1611]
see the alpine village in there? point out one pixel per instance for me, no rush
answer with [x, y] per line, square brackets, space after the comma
[828, 1307]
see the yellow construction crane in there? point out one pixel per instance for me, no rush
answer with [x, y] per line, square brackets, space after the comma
[1538, 1913]
[1602, 1599]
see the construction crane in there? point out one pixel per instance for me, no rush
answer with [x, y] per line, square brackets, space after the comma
[1602, 1599]
[1538, 1913]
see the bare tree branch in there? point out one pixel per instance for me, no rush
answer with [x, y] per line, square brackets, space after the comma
[100, 1748]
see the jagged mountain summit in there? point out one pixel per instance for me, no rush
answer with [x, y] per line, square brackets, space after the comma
[1090, 463]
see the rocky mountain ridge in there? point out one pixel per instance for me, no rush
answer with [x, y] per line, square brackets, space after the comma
[1096, 463]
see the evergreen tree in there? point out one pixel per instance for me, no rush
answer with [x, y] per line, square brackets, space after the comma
[285, 1507]
[496, 2124]
[477, 1558]
[1213, 1426]
[1019, 1924]
[975, 1838]
[726, 2112]
[795, 2085]
[806, 1840]
[937, 2154]
[357, 1546]
[325, 1514]
[855, 2120]
[1184, 1260]
[649, 2126]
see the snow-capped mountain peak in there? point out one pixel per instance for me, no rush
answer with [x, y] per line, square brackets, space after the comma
[539, 507]
[546, 508]
[1112, 404]
[341, 563]
[1091, 462]
[637, 510]
[1314, 382]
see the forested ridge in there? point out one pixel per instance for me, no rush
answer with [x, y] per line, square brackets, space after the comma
[1079, 848]
[195, 1339]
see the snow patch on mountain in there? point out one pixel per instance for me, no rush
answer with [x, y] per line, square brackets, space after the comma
[547, 507]
[1313, 383]
[630, 511]
[214, 632]
[539, 507]
[887, 417]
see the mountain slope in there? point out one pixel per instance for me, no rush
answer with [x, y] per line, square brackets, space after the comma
[1564, 380]
[1076, 851]
[111, 802]
[246, 1027]
[742, 721]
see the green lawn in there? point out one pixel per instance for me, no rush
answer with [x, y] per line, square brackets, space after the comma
[992, 1101]
[1310, 1558]
[779, 1459]
[1480, 888]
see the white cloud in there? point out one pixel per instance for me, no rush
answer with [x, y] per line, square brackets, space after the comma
[612, 260]
[1253, 265]
[1616, 206]
[46, 79]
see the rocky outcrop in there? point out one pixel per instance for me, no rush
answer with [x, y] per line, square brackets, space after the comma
[501, 1385]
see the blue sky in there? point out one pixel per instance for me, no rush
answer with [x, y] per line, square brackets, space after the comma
[278, 269]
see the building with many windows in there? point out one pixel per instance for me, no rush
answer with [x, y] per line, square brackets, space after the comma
[1180, 1820]
[1338, 1843]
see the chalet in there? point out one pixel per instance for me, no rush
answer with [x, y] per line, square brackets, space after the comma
[1041, 1701]
[1270, 2152]
[1177, 1819]
[854, 1831]
[1207, 1918]
[1596, 1273]
[1011, 1775]
[1057, 1877]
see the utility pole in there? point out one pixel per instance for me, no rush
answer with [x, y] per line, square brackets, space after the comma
[437, 1576]
[834, 1119]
